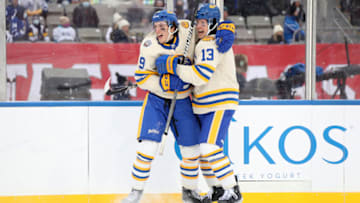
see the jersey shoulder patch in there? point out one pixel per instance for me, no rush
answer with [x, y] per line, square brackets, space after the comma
[148, 40]
[185, 24]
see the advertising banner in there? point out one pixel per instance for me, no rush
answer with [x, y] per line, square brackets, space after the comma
[25, 62]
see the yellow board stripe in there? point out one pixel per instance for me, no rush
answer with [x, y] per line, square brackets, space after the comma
[249, 197]
[142, 115]
[215, 126]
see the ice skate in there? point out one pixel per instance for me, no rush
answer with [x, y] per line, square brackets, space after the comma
[232, 195]
[191, 196]
[133, 197]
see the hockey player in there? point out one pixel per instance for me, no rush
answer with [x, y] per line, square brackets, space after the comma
[215, 95]
[169, 37]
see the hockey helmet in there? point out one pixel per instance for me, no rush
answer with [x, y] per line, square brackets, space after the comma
[166, 16]
[210, 12]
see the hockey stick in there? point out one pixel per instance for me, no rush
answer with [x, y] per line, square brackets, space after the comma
[173, 100]
[108, 90]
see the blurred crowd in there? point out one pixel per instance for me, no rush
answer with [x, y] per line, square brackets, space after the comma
[127, 21]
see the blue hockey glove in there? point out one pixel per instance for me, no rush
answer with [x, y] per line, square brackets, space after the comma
[170, 82]
[225, 36]
[166, 64]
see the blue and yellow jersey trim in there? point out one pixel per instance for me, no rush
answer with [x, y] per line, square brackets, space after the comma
[213, 93]
[227, 26]
[142, 76]
[200, 71]
[232, 99]
[215, 103]
[171, 46]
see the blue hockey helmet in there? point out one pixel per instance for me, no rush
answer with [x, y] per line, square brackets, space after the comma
[210, 12]
[166, 16]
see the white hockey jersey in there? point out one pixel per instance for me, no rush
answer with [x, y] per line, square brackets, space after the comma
[214, 77]
[146, 74]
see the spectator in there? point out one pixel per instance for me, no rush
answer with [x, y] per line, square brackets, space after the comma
[38, 30]
[116, 18]
[121, 32]
[64, 32]
[233, 6]
[278, 35]
[85, 15]
[15, 10]
[137, 15]
[257, 7]
[148, 2]
[180, 9]
[241, 63]
[64, 2]
[8, 36]
[345, 5]
[299, 8]
[16, 22]
[158, 6]
[355, 13]
[226, 13]
[292, 29]
[35, 8]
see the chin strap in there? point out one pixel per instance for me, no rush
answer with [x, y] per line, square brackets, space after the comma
[211, 29]
[170, 33]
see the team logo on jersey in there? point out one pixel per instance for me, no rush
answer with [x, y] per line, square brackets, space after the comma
[185, 24]
[147, 43]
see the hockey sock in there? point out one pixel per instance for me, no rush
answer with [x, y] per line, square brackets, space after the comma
[208, 174]
[142, 164]
[189, 166]
[219, 163]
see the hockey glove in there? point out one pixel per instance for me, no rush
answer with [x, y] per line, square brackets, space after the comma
[170, 82]
[225, 36]
[184, 61]
[166, 64]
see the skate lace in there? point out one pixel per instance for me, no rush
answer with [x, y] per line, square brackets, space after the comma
[228, 194]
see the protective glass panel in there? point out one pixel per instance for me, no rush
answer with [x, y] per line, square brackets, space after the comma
[338, 38]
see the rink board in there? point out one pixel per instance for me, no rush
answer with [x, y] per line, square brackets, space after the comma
[283, 151]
